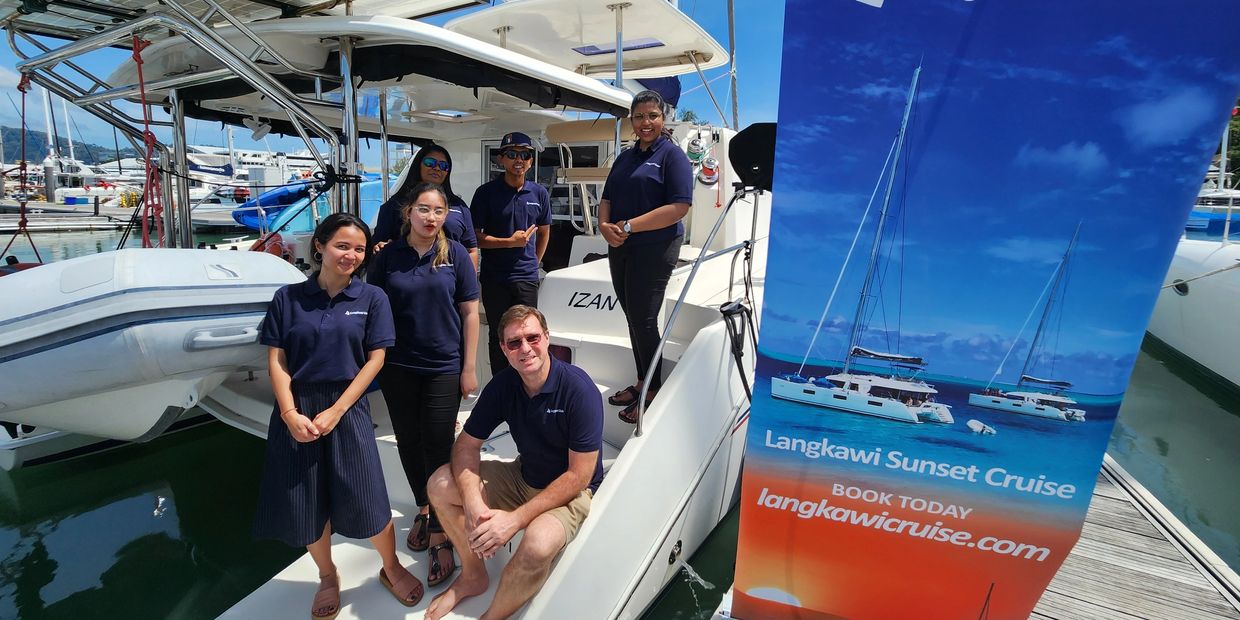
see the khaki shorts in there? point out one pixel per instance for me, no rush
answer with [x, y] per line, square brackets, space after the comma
[505, 489]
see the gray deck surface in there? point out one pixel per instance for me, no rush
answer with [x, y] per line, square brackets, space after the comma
[1123, 567]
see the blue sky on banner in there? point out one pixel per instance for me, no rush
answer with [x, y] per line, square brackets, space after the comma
[1027, 123]
[759, 35]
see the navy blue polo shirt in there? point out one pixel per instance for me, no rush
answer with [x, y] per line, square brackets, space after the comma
[567, 414]
[424, 304]
[642, 181]
[327, 338]
[500, 211]
[458, 227]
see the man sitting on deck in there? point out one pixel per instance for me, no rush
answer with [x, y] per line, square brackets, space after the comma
[555, 414]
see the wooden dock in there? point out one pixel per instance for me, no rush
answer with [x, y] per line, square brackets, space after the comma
[1134, 561]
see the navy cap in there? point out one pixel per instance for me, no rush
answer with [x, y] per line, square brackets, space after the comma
[516, 138]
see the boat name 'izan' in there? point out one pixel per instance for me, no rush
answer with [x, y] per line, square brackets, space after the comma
[592, 300]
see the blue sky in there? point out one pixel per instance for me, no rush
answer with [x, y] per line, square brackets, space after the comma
[758, 34]
[1032, 118]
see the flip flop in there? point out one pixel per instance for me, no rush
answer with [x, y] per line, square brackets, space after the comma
[404, 588]
[624, 397]
[436, 567]
[419, 534]
[328, 597]
[628, 415]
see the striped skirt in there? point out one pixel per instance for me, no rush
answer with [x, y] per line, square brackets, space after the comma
[336, 477]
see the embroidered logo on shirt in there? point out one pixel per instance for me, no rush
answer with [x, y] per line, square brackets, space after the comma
[651, 163]
[352, 312]
[532, 204]
[555, 411]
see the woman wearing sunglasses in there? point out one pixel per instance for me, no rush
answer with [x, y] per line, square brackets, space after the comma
[647, 194]
[433, 165]
[434, 296]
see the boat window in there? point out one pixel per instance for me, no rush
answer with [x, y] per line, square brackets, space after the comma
[876, 403]
[840, 397]
[809, 391]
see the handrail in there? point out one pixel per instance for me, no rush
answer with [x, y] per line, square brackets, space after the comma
[680, 301]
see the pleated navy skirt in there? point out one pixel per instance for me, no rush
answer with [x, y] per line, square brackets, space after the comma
[336, 477]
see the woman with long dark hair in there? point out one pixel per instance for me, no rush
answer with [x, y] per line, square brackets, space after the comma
[432, 164]
[327, 339]
[434, 295]
[648, 193]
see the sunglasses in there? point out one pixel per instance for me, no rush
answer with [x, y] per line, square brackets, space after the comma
[653, 116]
[515, 154]
[514, 344]
[431, 162]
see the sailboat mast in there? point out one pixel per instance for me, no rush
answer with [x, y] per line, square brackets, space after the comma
[1050, 301]
[855, 337]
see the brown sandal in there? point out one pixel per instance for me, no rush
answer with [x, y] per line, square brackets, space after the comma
[624, 397]
[328, 598]
[408, 589]
[437, 574]
[419, 534]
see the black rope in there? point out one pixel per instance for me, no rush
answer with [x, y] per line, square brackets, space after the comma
[736, 335]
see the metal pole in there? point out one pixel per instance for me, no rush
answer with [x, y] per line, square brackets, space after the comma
[706, 85]
[619, 10]
[1222, 180]
[736, 119]
[184, 234]
[348, 92]
[383, 145]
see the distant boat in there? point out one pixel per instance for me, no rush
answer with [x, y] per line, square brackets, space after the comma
[895, 395]
[1044, 398]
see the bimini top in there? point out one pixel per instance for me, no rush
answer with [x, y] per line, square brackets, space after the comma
[580, 35]
[434, 74]
[908, 360]
[74, 20]
[1055, 383]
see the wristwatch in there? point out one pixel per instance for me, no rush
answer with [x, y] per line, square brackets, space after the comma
[627, 228]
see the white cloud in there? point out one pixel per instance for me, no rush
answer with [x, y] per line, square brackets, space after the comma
[9, 78]
[1025, 250]
[1171, 119]
[1084, 159]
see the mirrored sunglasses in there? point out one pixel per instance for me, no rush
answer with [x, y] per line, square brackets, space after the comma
[431, 162]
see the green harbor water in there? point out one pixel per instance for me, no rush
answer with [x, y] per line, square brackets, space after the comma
[162, 530]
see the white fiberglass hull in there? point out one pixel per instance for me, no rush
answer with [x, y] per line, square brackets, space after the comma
[1197, 323]
[842, 400]
[1016, 405]
[117, 345]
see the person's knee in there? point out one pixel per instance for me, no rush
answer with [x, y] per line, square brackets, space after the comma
[441, 487]
[543, 540]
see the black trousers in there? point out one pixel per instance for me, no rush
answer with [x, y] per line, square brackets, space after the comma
[423, 409]
[639, 275]
[497, 297]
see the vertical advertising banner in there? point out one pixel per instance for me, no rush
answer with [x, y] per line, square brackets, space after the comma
[975, 204]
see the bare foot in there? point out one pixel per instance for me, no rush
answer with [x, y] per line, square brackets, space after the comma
[462, 588]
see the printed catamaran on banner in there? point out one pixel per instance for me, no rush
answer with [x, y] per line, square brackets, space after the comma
[1044, 398]
[896, 395]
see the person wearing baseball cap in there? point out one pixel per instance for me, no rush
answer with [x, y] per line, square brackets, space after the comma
[512, 219]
